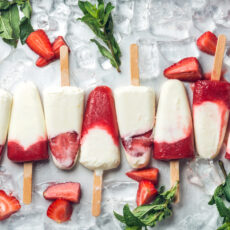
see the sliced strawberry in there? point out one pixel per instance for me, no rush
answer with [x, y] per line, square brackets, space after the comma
[188, 69]
[69, 191]
[64, 148]
[8, 205]
[56, 45]
[41, 62]
[207, 43]
[146, 192]
[60, 210]
[150, 174]
[40, 44]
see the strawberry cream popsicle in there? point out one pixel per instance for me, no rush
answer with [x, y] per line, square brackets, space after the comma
[99, 141]
[27, 139]
[135, 107]
[64, 114]
[211, 104]
[5, 111]
[173, 138]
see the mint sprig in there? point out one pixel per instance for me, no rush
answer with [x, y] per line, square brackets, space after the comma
[151, 214]
[220, 197]
[10, 22]
[99, 20]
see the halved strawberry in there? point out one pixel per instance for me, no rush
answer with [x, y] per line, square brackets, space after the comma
[40, 44]
[207, 43]
[60, 210]
[187, 69]
[70, 191]
[64, 148]
[150, 174]
[56, 45]
[146, 192]
[41, 62]
[8, 205]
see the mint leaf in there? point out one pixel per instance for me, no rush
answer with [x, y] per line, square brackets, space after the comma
[119, 217]
[26, 9]
[99, 20]
[5, 28]
[4, 4]
[25, 29]
[225, 226]
[130, 219]
[227, 188]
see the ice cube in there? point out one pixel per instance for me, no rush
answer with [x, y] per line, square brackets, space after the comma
[26, 218]
[122, 24]
[5, 50]
[125, 8]
[174, 51]
[148, 59]
[105, 63]
[207, 173]
[140, 20]
[85, 57]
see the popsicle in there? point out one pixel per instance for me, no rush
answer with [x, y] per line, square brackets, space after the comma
[5, 111]
[211, 103]
[27, 139]
[135, 107]
[64, 114]
[99, 141]
[173, 139]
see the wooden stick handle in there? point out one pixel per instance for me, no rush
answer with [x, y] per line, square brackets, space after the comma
[27, 184]
[64, 61]
[218, 60]
[97, 190]
[175, 177]
[135, 79]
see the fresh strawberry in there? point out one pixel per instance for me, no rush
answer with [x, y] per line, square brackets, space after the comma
[69, 191]
[60, 210]
[41, 62]
[146, 192]
[188, 69]
[207, 43]
[56, 45]
[64, 148]
[8, 205]
[144, 174]
[40, 44]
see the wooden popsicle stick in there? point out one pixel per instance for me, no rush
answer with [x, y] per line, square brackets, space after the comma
[135, 79]
[64, 61]
[175, 177]
[219, 56]
[97, 190]
[27, 183]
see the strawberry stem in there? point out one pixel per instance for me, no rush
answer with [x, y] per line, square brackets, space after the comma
[221, 164]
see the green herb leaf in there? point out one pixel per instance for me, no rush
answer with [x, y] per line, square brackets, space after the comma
[99, 20]
[4, 4]
[130, 219]
[5, 28]
[26, 9]
[225, 226]
[227, 188]
[105, 52]
[25, 29]
[151, 214]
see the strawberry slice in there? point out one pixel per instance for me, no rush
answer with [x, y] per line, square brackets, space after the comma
[69, 191]
[8, 205]
[146, 192]
[40, 44]
[150, 174]
[207, 43]
[64, 148]
[188, 69]
[56, 45]
[60, 210]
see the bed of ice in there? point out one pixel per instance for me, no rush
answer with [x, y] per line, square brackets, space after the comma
[165, 31]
